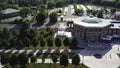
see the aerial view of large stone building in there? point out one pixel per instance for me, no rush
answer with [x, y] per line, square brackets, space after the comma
[9, 12]
[91, 28]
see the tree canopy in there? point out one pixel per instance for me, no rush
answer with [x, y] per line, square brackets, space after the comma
[51, 4]
[75, 59]
[24, 12]
[23, 59]
[13, 60]
[64, 60]
[4, 58]
[53, 17]
[33, 59]
[58, 42]
[40, 18]
[66, 42]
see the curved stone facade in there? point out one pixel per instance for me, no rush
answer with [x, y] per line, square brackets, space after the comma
[90, 29]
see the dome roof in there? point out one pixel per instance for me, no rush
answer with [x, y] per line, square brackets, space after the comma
[91, 20]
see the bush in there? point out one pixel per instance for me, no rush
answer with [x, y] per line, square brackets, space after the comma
[53, 17]
[98, 56]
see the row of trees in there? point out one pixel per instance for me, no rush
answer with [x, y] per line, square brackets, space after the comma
[14, 59]
[55, 3]
[61, 3]
[77, 11]
[50, 3]
[26, 37]
[5, 5]
[22, 59]
[99, 13]
[27, 41]
[24, 12]
[116, 3]
[41, 17]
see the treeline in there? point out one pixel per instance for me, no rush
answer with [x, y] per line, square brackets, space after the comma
[4, 5]
[61, 3]
[113, 3]
[26, 37]
[22, 60]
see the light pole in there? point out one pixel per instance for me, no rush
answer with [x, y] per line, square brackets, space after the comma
[118, 47]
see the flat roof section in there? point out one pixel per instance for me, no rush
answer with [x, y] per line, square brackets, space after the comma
[9, 10]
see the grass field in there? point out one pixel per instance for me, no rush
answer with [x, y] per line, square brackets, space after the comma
[48, 65]
[52, 66]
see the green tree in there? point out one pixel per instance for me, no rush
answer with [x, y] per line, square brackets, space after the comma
[100, 14]
[22, 60]
[11, 1]
[75, 60]
[51, 4]
[20, 43]
[42, 43]
[0, 15]
[40, 18]
[74, 43]
[94, 12]
[35, 42]
[26, 42]
[58, 42]
[59, 3]
[54, 59]
[5, 43]
[53, 17]
[24, 12]
[13, 43]
[79, 11]
[118, 4]
[113, 10]
[89, 11]
[4, 58]
[13, 60]
[33, 59]
[66, 42]
[6, 34]
[26, 25]
[43, 6]
[50, 42]
[32, 34]
[64, 60]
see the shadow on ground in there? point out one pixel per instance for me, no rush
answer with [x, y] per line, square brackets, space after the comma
[36, 25]
[95, 48]
[50, 24]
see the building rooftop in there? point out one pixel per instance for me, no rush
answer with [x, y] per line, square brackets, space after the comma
[91, 22]
[9, 10]
[61, 34]
[115, 26]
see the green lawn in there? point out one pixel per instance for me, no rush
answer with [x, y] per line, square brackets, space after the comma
[48, 65]
[38, 65]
